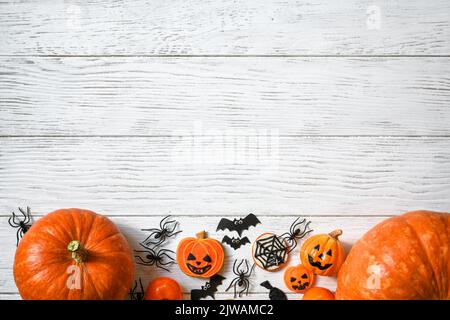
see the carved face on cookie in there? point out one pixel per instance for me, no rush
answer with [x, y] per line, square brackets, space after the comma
[323, 253]
[200, 257]
[298, 278]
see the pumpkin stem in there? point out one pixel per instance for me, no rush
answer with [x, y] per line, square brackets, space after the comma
[79, 253]
[335, 234]
[201, 235]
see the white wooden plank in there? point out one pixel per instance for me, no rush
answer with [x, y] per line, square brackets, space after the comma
[216, 175]
[222, 96]
[225, 27]
[354, 228]
[10, 296]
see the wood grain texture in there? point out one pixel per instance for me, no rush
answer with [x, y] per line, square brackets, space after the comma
[225, 27]
[224, 96]
[139, 108]
[10, 296]
[212, 175]
[353, 227]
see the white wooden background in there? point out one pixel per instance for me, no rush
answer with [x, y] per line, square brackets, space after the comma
[333, 110]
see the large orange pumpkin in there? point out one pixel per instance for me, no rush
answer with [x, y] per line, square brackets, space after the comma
[73, 254]
[200, 257]
[323, 253]
[404, 257]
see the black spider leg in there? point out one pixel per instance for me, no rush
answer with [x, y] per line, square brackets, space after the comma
[154, 233]
[22, 225]
[15, 224]
[150, 262]
[290, 240]
[242, 278]
[163, 253]
[235, 281]
[137, 295]
[166, 226]
[26, 215]
[295, 233]
[141, 294]
[155, 258]
[290, 234]
[171, 232]
[132, 291]
[12, 218]
[18, 236]
[21, 233]
[158, 236]
[150, 255]
[248, 273]
[162, 222]
[300, 233]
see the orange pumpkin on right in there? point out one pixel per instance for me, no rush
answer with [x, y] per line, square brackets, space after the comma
[406, 257]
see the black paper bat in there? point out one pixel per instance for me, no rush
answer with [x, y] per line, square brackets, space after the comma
[209, 289]
[235, 243]
[238, 225]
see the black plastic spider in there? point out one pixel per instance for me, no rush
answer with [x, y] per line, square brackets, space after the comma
[22, 225]
[157, 258]
[136, 294]
[158, 236]
[297, 231]
[241, 281]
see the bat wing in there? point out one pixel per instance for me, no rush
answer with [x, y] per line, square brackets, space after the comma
[215, 281]
[227, 240]
[197, 294]
[225, 224]
[251, 221]
[244, 241]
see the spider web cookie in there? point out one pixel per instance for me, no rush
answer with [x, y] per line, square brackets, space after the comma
[270, 252]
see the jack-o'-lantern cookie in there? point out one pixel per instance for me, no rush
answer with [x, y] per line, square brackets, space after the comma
[200, 257]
